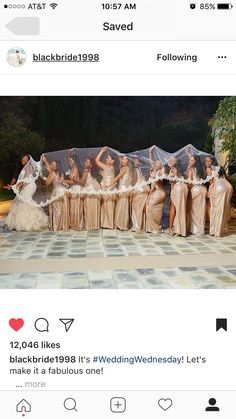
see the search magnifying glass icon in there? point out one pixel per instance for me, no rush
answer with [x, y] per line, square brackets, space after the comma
[70, 404]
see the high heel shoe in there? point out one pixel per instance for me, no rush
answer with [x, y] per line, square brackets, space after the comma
[170, 232]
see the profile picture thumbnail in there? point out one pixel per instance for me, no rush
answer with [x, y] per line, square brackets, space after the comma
[16, 57]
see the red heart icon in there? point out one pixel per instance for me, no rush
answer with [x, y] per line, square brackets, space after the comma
[16, 324]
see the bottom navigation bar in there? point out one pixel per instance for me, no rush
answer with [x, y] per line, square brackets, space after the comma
[132, 404]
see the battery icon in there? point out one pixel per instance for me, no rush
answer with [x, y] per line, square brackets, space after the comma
[224, 6]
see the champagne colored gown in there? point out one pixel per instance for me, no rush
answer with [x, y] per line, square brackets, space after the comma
[92, 205]
[122, 213]
[154, 208]
[220, 193]
[59, 211]
[76, 208]
[196, 215]
[108, 202]
[139, 199]
[179, 195]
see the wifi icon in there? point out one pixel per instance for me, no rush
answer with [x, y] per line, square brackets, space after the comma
[53, 5]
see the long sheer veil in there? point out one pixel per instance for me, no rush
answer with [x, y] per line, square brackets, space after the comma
[29, 172]
[144, 159]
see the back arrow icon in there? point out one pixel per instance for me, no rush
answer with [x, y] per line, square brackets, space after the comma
[24, 26]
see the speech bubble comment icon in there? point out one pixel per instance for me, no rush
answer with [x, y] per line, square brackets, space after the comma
[41, 325]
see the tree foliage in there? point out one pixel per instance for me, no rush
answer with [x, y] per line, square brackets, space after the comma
[223, 125]
[15, 140]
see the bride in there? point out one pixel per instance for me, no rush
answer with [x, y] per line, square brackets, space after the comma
[24, 213]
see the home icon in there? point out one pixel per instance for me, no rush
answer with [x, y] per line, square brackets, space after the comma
[23, 406]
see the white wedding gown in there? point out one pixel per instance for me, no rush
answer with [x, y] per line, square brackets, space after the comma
[24, 216]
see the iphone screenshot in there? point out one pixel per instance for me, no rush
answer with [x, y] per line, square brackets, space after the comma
[117, 209]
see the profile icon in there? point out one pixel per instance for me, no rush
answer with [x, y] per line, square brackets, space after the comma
[16, 57]
[212, 406]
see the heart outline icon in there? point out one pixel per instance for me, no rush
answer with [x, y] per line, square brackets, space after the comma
[165, 404]
[16, 324]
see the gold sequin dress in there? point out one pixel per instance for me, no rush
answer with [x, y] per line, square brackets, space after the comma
[139, 198]
[59, 212]
[108, 202]
[92, 205]
[196, 214]
[122, 213]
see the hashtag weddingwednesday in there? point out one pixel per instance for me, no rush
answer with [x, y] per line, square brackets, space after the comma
[139, 360]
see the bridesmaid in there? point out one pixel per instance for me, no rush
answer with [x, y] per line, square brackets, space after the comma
[108, 201]
[156, 199]
[210, 166]
[59, 215]
[220, 194]
[197, 198]
[178, 196]
[92, 203]
[138, 198]
[76, 201]
[122, 211]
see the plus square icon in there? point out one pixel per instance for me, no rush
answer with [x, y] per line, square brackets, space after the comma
[118, 405]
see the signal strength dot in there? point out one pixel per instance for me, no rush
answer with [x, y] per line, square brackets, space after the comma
[53, 5]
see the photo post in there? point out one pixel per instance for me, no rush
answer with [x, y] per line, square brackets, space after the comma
[117, 209]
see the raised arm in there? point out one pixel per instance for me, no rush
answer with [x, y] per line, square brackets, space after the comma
[45, 162]
[50, 178]
[82, 181]
[134, 176]
[151, 157]
[69, 158]
[73, 179]
[98, 158]
[123, 170]
[188, 150]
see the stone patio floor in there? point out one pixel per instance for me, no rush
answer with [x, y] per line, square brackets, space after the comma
[192, 277]
[115, 259]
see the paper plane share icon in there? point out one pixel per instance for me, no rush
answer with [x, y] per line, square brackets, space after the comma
[67, 323]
